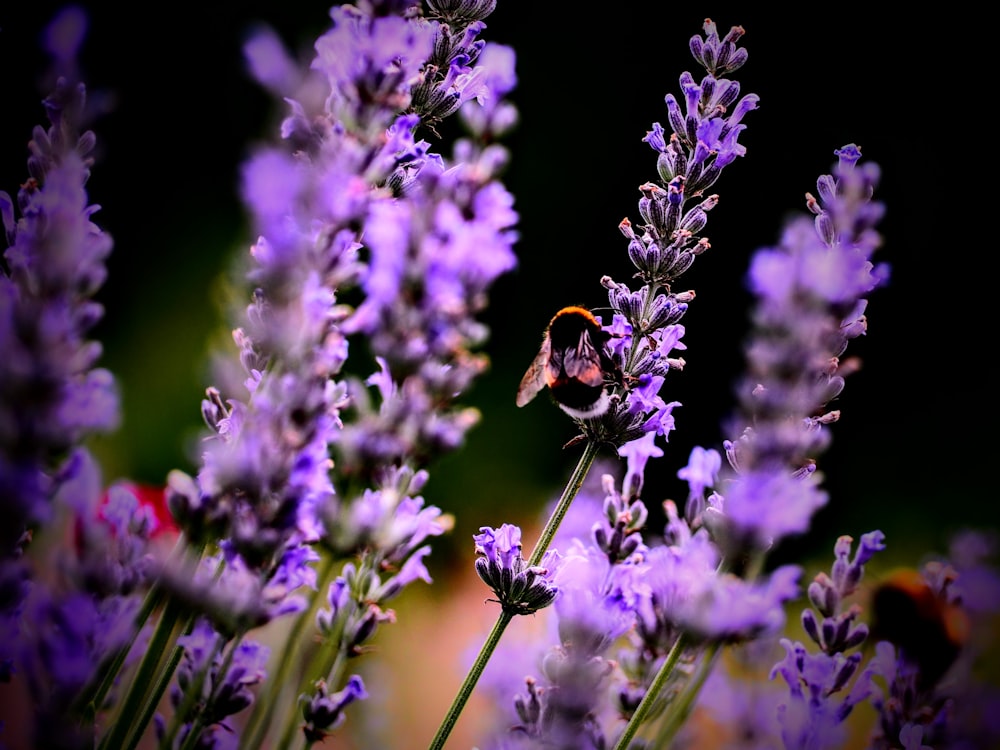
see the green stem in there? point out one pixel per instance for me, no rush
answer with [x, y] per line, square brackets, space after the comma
[194, 690]
[652, 693]
[166, 674]
[470, 680]
[572, 487]
[94, 696]
[548, 533]
[333, 661]
[681, 707]
[131, 705]
[260, 719]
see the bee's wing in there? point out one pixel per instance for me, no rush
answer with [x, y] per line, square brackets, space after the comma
[534, 379]
[583, 362]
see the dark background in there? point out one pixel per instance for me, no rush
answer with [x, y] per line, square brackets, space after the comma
[913, 451]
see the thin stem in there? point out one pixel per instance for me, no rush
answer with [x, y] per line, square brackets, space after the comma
[166, 674]
[652, 693]
[331, 673]
[681, 707]
[94, 697]
[470, 680]
[193, 735]
[264, 707]
[572, 487]
[158, 646]
[544, 540]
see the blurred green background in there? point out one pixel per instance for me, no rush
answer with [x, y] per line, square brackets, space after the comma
[909, 455]
[911, 452]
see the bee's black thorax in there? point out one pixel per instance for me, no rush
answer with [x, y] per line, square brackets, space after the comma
[566, 328]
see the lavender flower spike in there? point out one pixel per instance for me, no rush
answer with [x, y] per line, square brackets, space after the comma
[823, 687]
[51, 395]
[689, 162]
[811, 298]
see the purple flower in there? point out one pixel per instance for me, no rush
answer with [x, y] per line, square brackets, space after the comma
[702, 470]
[520, 589]
[638, 452]
[71, 633]
[324, 711]
[352, 205]
[53, 396]
[812, 718]
[688, 164]
[825, 686]
[413, 569]
[806, 288]
[597, 599]
[374, 60]
[490, 114]
[701, 473]
[729, 608]
[766, 506]
[221, 694]
[270, 64]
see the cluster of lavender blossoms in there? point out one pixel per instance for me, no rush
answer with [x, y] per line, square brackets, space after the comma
[640, 621]
[230, 608]
[307, 502]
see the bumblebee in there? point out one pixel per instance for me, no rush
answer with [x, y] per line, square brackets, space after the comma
[929, 630]
[575, 364]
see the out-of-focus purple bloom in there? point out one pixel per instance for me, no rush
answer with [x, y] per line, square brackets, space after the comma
[371, 60]
[433, 258]
[702, 470]
[71, 634]
[52, 395]
[766, 506]
[680, 590]
[112, 536]
[490, 115]
[271, 64]
[234, 597]
[687, 593]
[221, 694]
[730, 608]
[741, 707]
[65, 606]
[597, 599]
[324, 711]
[352, 200]
[413, 569]
[391, 518]
[809, 292]
[701, 473]
[825, 686]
